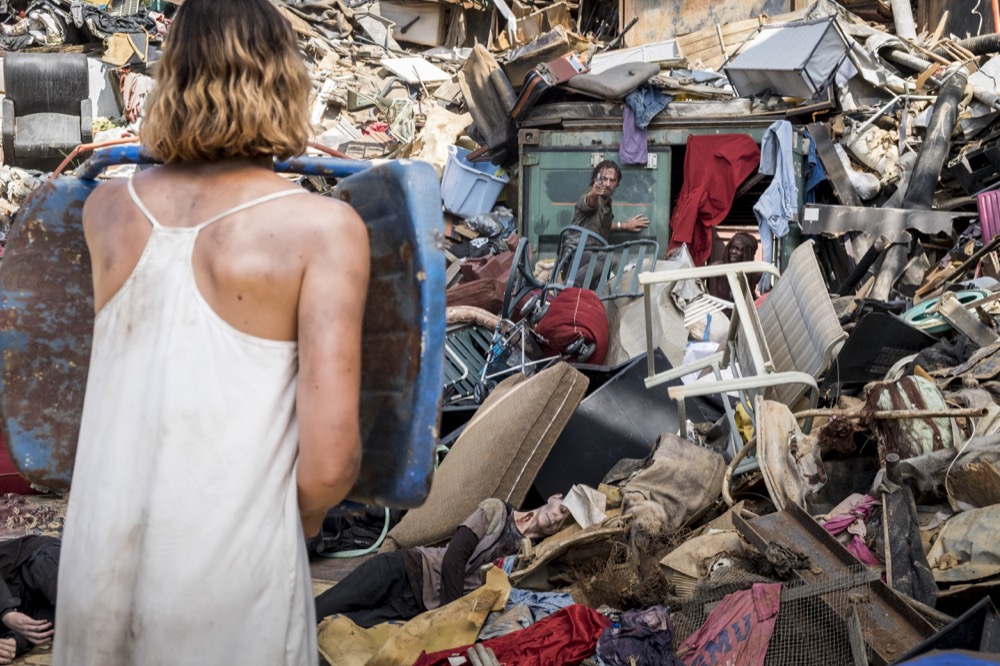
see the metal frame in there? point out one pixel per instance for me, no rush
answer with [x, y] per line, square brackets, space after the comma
[616, 257]
[745, 329]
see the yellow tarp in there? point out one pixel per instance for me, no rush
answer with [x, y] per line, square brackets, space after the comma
[343, 643]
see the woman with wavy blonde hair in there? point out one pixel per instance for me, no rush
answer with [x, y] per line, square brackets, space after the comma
[220, 420]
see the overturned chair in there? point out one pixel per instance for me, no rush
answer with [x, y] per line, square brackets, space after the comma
[583, 259]
[778, 350]
[47, 108]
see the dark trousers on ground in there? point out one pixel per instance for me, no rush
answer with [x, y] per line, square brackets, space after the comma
[39, 575]
[377, 591]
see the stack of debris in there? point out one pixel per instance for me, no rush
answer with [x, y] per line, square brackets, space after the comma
[786, 450]
[833, 480]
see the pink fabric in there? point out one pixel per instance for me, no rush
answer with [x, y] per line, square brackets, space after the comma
[714, 167]
[135, 88]
[737, 631]
[851, 515]
[860, 550]
[566, 637]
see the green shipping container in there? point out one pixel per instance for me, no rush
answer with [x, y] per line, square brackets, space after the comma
[555, 167]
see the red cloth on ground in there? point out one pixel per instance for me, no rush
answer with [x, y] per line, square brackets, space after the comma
[566, 637]
[714, 167]
[737, 631]
[574, 313]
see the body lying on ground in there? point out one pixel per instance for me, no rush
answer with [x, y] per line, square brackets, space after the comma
[399, 585]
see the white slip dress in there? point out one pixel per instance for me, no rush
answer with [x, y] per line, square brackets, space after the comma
[183, 543]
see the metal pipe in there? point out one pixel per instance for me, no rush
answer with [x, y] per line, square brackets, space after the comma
[852, 280]
[982, 44]
[902, 18]
[934, 149]
[894, 414]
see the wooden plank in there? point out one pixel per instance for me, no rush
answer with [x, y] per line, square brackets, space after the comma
[712, 43]
[299, 25]
[659, 20]
[704, 46]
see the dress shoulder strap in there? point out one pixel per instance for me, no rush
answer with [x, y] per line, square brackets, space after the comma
[141, 206]
[249, 204]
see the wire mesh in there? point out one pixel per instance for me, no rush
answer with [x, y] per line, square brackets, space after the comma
[812, 626]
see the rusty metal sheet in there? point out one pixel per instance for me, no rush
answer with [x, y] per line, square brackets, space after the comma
[888, 625]
[660, 20]
[46, 320]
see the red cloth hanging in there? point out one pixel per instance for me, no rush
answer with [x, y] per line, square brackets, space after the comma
[566, 637]
[572, 314]
[714, 167]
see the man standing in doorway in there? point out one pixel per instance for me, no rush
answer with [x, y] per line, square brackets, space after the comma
[593, 209]
[593, 213]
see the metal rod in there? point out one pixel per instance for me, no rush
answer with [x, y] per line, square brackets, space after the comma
[893, 414]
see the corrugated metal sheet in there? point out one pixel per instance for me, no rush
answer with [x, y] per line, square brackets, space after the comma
[660, 20]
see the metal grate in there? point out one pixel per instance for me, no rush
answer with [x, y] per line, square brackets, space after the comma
[811, 629]
[123, 7]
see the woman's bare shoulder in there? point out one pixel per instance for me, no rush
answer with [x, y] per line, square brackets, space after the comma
[105, 204]
[324, 215]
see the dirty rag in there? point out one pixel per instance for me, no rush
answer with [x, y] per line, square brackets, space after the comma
[779, 203]
[646, 101]
[567, 637]
[967, 547]
[524, 608]
[850, 515]
[633, 148]
[737, 631]
[643, 638]
[586, 505]
[135, 89]
[679, 479]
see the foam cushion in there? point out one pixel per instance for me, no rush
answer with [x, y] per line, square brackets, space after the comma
[498, 455]
[616, 82]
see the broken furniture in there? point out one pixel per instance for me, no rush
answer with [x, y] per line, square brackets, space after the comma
[466, 347]
[781, 347]
[792, 60]
[47, 318]
[497, 455]
[490, 98]
[621, 419]
[47, 108]
[586, 260]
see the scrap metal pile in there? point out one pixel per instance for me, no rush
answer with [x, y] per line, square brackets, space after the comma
[785, 456]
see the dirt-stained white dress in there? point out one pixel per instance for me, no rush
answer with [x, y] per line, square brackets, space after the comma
[183, 543]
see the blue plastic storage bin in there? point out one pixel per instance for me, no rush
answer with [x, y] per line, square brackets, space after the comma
[469, 188]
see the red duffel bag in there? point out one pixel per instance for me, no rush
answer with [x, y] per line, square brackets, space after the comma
[575, 315]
